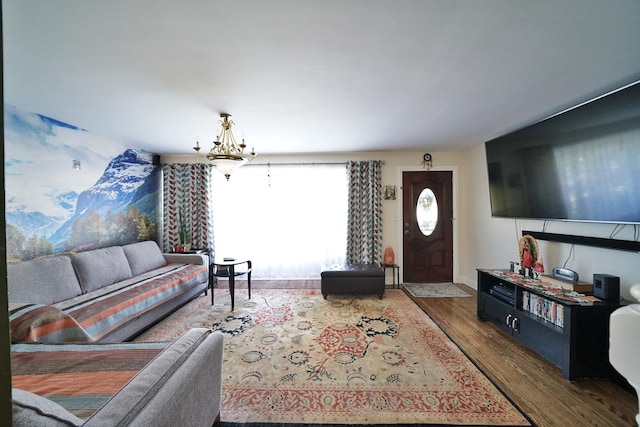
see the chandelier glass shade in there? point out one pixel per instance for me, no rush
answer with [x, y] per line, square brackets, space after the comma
[225, 153]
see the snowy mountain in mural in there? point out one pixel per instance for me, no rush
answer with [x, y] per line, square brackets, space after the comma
[118, 184]
[126, 182]
[67, 200]
[53, 206]
[34, 224]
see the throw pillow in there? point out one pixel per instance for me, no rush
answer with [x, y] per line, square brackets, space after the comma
[29, 409]
[101, 267]
[144, 256]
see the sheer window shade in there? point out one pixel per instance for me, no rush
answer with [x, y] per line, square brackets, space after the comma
[290, 220]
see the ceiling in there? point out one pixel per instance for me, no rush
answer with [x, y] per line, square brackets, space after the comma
[314, 76]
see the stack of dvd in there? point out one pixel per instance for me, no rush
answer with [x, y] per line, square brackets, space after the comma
[544, 308]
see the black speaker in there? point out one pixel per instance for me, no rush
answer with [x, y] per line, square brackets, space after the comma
[606, 286]
[156, 160]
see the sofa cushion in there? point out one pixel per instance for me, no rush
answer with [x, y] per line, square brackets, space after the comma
[114, 307]
[101, 267]
[43, 323]
[43, 281]
[32, 410]
[150, 398]
[79, 377]
[144, 256]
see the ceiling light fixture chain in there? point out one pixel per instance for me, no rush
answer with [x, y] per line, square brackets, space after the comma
[225, 153]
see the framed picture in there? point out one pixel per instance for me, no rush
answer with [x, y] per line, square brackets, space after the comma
[389, 192]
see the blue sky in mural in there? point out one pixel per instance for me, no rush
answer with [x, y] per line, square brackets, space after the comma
[39, 156]
[41, 185]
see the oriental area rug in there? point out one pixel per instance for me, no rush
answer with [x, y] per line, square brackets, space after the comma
[291, 357]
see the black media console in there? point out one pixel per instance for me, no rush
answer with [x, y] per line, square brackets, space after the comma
[572, 333]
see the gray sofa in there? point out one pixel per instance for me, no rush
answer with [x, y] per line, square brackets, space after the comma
[102, 295]
[179, 387]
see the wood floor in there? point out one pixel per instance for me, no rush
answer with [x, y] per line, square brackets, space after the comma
[531, 382]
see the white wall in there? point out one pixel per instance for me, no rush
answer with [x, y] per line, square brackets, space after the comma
[394, 163]
[480, 240]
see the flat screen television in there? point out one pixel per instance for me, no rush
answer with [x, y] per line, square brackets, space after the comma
[579, 165]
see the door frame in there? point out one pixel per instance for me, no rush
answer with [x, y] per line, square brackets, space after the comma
[399, 213]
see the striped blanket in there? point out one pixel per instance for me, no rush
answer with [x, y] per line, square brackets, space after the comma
[79, 377]
[92, 316]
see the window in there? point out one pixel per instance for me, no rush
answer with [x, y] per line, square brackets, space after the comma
[427, 212]
[290, 220]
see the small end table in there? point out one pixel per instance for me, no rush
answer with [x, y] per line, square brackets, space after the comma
[227, 268]
[395, 273]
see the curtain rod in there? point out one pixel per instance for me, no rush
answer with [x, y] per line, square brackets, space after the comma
[302, 163]
[294, 163]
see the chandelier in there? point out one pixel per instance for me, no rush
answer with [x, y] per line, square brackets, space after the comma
[226, 154]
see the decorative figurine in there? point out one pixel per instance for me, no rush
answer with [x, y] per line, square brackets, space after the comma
[389, 256]
[529, 252]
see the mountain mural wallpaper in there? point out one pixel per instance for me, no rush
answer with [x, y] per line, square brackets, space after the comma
[110, 198]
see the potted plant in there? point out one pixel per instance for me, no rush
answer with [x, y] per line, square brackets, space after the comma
[183, 233]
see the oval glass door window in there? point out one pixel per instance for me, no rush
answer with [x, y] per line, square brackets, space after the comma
[427, 212]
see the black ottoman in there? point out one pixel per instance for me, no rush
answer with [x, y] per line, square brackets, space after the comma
[352, 279]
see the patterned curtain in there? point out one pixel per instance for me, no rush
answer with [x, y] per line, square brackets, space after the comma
[364, 234]
[187, 192]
